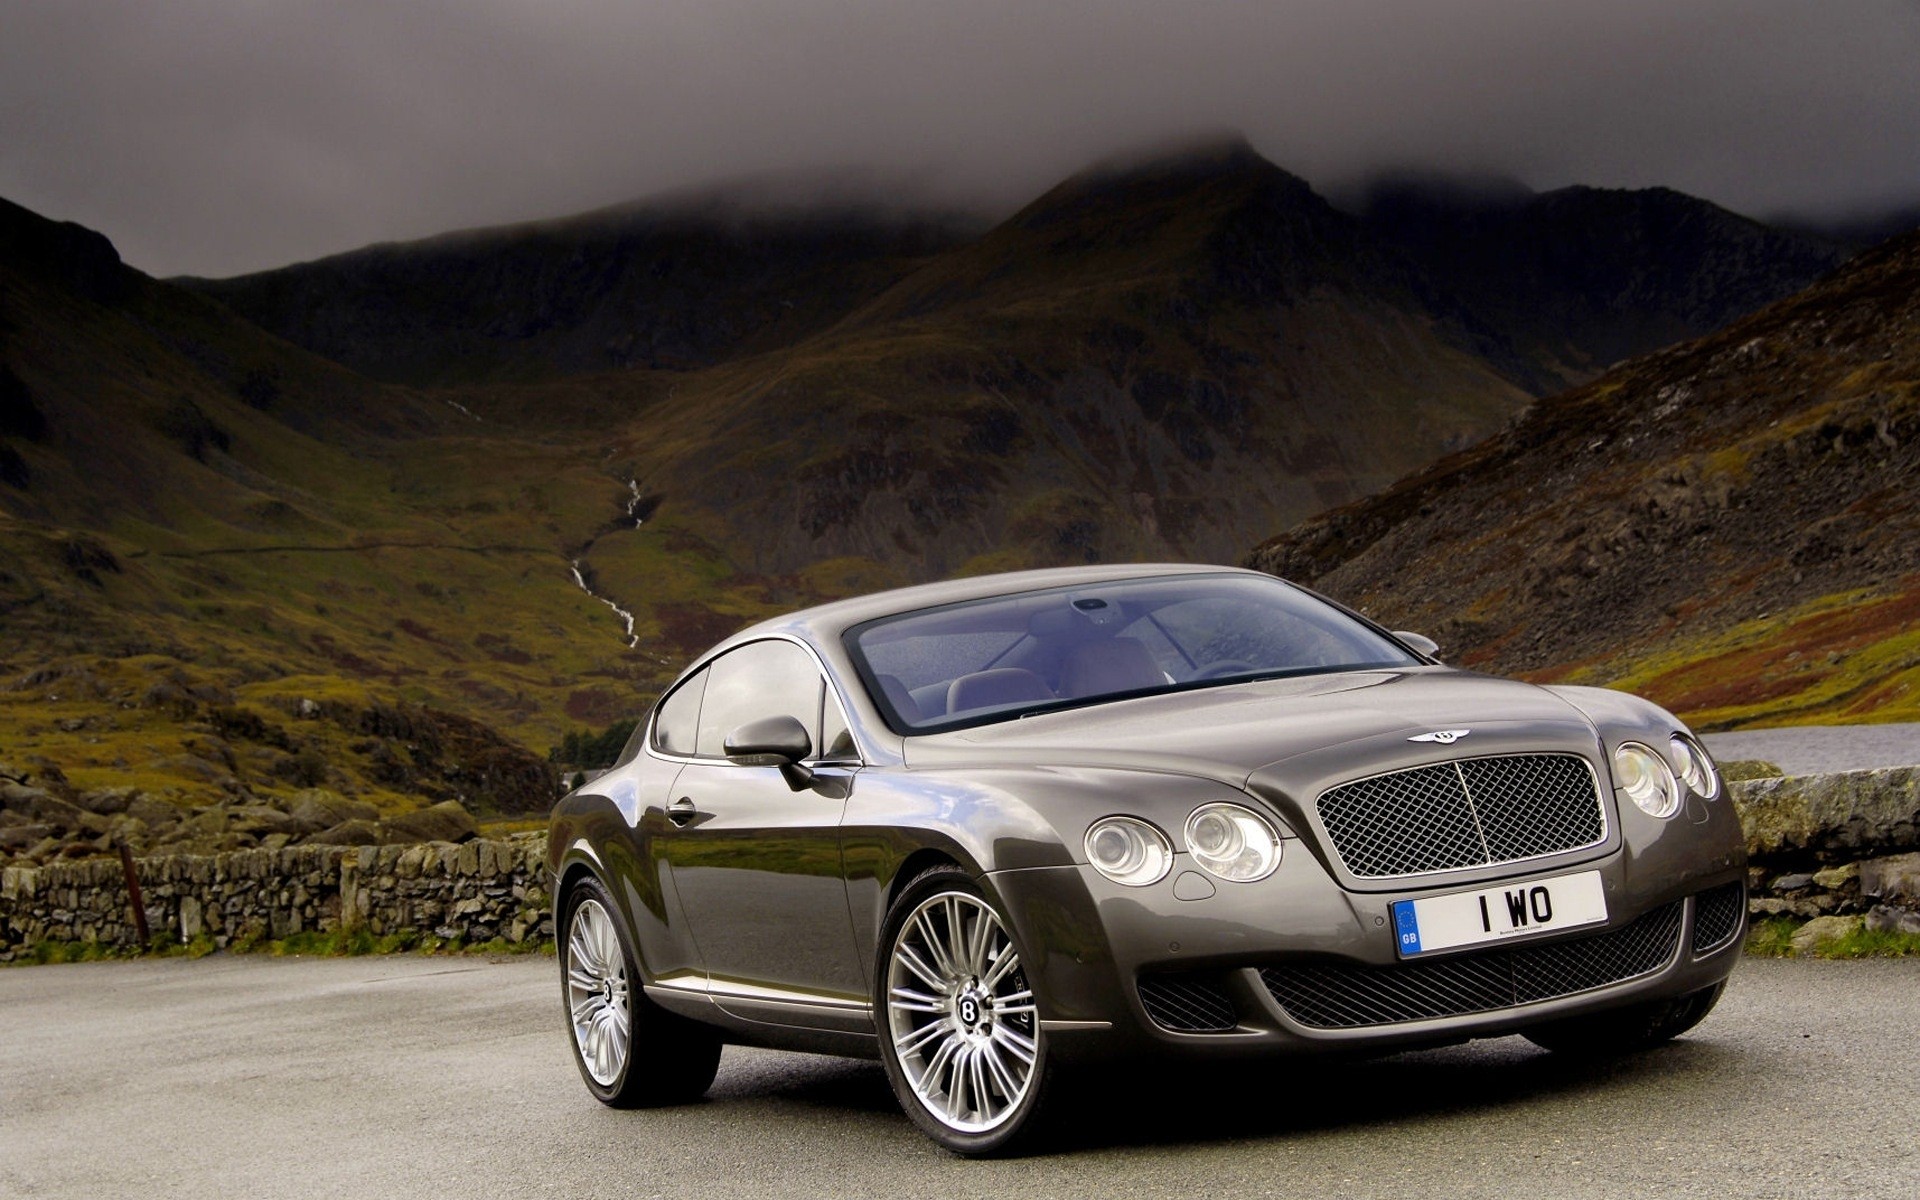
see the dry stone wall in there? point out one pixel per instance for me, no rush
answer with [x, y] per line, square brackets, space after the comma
[475, 891]
[1843, 846]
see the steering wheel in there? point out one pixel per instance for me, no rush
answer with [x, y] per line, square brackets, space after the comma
[1224, 666]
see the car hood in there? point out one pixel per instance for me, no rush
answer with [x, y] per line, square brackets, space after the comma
[1291, 735]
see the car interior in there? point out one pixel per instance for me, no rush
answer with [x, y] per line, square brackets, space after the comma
[932, 668]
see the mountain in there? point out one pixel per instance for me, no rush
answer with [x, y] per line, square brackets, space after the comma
[1144, 362]
[1568, 282]
[676, 285]
[1730, 526]
[1160, 357]
[1857, 230]
[401, 563]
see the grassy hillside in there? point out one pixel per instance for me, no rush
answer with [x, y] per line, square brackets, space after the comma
[1731, 526]
[224, 561]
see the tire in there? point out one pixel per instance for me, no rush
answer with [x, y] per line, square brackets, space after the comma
[1624, 1030]
[959, 1025]
[631, 1052]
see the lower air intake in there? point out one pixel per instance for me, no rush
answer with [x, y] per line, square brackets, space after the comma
[1717, 913]
[1340, 996]
[1186, 1004]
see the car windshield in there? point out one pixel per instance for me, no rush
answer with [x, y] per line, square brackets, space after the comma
[1006, 656]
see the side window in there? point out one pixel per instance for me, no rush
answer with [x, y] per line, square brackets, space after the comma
[836, 740]
[760, 679]
[678, 720]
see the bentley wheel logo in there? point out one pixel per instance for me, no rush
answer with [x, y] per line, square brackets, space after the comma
[1446, 737]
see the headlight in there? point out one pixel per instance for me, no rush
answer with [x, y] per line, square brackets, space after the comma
[1128, 850]
[1696, 769]
[1646, 779]
[1232, 842]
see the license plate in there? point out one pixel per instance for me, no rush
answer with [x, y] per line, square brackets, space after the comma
[1496, 913]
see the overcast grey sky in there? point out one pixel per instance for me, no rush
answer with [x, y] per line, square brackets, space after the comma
[214, 138]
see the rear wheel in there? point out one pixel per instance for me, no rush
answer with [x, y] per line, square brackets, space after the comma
[631, 1052]
[1622, 1030]
[960, 1031]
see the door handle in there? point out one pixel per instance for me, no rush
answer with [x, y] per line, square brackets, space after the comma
[682, 811]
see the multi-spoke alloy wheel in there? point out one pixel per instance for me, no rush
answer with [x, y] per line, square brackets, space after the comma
[963, 1035]
[629, 1049]
[597, 994]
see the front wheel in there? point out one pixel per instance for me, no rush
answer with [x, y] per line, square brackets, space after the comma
[631, 1052]
[960, 1031]
[1623, 1030]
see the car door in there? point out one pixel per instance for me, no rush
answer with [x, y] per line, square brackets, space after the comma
[755, 862]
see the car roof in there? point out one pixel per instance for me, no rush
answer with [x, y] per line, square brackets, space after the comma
[824, 623]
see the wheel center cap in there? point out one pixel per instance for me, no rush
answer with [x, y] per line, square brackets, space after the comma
[973, 1009]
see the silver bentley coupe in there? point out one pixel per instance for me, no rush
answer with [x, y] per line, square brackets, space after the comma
[990, 829]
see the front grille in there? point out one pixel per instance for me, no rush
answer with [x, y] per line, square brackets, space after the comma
[1473, 812]
[1339, 996]
[1186, 1003]
[1716, 915]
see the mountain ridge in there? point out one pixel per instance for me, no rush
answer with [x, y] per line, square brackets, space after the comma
[545, 299]
[1437, 235]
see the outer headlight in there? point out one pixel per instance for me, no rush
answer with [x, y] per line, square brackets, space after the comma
[1128, 850]
[1696, 769]
[1646, 779]
[1232, 842]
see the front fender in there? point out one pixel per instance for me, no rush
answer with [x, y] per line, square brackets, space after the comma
[991, 820]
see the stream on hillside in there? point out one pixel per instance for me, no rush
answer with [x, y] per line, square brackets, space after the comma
[582, 574]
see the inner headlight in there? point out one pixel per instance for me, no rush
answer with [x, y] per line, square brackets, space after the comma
[1232, 842]
[1128, 850]
[1646, 779]
[1696, 769]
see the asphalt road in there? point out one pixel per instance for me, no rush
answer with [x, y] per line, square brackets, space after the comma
[382, 1078]
[1813, 749]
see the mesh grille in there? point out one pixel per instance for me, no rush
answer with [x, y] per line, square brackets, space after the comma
[1716, 915]
[1471, 813]
[1186, 1004]
[1533, 804]
[1337, 996]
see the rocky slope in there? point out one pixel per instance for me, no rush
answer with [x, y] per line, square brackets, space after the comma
[1731, 526]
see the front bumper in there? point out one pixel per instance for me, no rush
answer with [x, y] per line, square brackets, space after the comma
[1297, 964]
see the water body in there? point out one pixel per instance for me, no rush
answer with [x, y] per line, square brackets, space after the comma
[580, 580]
[1818, 749]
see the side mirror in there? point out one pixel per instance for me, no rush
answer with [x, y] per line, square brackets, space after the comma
[1419, 641]
[773, 742]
